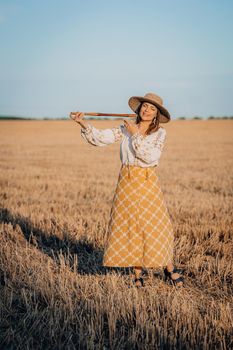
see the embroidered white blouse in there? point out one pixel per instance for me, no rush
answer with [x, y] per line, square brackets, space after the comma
[136, 149]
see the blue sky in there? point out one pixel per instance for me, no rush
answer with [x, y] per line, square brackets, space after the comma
[59, 56]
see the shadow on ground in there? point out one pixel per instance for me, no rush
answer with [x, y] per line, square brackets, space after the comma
[88, 256]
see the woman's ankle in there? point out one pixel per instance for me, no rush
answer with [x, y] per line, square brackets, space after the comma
[137, 271]
[170, 267]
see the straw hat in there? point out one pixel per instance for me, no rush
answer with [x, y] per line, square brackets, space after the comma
[135, 101]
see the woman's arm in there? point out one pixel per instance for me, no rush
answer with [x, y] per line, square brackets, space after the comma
[149, 149]
[97, 137]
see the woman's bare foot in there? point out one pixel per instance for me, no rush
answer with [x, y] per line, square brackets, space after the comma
[175, 277]
[138, 280]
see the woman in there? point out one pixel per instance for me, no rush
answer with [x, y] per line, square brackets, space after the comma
[140, 232]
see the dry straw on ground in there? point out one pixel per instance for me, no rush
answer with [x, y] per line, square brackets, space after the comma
[56, 194]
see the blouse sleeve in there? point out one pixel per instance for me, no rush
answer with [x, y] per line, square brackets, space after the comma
[98, 137]
[148, 149]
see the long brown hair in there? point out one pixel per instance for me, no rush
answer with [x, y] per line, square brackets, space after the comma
[154, 125]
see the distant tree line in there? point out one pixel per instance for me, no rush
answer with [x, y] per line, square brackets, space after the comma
[210, 117]
[9, 117]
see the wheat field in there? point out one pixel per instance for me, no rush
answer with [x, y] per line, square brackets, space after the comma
[55, 201]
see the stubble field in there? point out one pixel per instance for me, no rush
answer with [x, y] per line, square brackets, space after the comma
[55, 200]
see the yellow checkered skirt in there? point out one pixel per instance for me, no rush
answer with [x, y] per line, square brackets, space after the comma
[140, 231]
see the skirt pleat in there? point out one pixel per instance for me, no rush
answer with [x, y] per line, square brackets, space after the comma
[140, 232]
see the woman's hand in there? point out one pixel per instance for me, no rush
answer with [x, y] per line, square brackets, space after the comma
[131, 127]
[78, 117]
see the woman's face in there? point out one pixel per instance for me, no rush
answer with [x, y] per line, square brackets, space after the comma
[148, 111]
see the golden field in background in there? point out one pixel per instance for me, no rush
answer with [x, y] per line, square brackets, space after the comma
[55, 201]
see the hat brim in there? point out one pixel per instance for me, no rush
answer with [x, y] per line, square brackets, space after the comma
[135, 101]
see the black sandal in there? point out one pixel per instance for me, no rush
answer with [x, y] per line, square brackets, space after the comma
[141, 281]
[168, 275]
